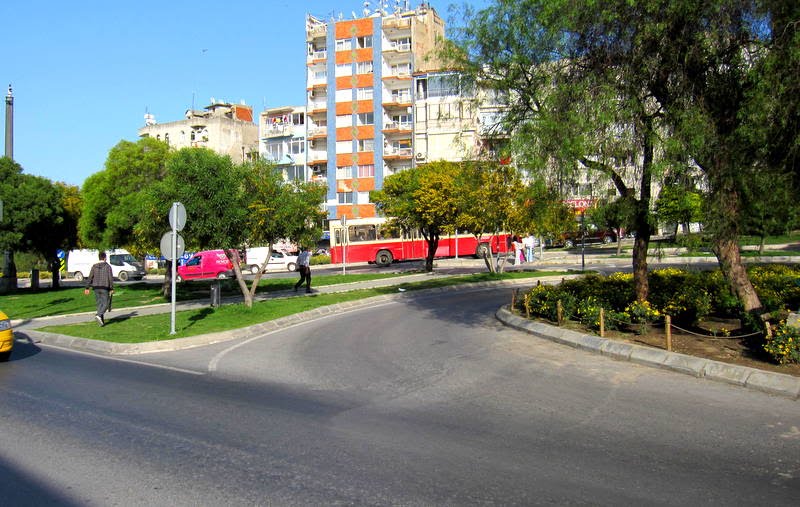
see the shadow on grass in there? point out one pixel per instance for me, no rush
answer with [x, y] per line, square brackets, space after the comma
[200, 315]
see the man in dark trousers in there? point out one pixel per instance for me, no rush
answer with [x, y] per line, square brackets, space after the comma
[304, 268]
[101, 279]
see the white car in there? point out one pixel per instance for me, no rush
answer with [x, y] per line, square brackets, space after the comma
[278, 261]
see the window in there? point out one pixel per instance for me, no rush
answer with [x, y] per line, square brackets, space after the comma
[401, 69]
[365, 93]
[364, 68]
[365, 119]
[361, 233]
[296, 173]
[443, 86]
[344, 120]
[344, 69]
[364, 42]
[366, 145]
[344, 197]
[298, 119]
[343, 173]
[344, 44]
[402, 44]
[297, 146]
[366, 171]
[402, 120]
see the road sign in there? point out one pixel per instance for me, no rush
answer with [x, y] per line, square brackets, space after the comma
[177, 216]
[166, 245]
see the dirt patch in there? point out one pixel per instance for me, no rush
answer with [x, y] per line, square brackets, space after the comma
[729, 349]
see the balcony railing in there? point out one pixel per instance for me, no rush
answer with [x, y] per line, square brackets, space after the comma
[395, 125]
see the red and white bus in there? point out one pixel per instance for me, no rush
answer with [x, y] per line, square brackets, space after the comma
[374, 240]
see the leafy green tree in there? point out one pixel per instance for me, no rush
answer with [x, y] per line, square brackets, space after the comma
[277, 210]
[421, 198]
[679, 205]
[764, 200]
[210, 188]
[111, 196]
[487, 202]
[545, 212]
[33, 216]
[617, 215]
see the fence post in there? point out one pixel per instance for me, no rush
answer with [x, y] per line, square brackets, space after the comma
[769, 330]
[559, 312]
[668, 331]
[513, 299]
[602, 323]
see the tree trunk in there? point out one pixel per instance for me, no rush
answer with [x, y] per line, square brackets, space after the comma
[641, 285]
[55, 271]
[166, 287]
[433, 244]
[730, 261]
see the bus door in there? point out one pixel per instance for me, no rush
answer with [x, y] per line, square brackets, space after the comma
[414, 245]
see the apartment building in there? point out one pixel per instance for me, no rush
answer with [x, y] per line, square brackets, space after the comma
[282, 140]
[227, 129]
[360, 84]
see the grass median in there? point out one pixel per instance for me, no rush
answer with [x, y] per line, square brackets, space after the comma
[120, 328]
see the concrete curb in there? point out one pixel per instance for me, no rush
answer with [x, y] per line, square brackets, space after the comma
[122, 349]
[778, 384]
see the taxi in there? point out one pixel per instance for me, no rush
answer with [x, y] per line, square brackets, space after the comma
[6, 337]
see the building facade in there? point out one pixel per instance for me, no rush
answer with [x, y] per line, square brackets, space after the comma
[227, 129]
[360, 107]
[282, 140]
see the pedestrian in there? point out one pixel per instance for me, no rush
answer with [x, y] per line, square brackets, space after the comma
[304, 268]
[528, 242]
[519, 250]
[101, 279]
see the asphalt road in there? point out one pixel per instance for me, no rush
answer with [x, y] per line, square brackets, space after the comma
[424, 401]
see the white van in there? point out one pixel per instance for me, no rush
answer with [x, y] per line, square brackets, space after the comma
[124, 266]
[255, 257]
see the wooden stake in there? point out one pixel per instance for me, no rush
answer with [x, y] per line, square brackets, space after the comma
[559, 312]
[769, 330]
[668, 331]
[513, 299]
[602, 323]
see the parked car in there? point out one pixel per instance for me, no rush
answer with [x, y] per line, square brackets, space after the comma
[205, 264]
[574, 238]
[124, 266]
[6, 337]
[278, 261]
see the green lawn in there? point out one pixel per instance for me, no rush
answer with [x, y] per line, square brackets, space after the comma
[233, 316]
[29, 303]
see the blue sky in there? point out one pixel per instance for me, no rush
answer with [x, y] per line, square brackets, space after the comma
[84, 73]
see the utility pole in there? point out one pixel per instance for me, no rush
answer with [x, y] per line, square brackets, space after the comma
[9, 279]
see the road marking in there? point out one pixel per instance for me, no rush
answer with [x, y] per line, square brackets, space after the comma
[123, 360]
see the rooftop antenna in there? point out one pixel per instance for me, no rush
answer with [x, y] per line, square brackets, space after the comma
[366, 8]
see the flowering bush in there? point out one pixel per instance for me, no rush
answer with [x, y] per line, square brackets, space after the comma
[587, 311]
[784, 344]
[642, 312]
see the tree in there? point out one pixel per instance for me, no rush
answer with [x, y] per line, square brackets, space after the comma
[566, 112]
[421, 198]
[487, 202]
[278, 210]
[111, 195]
[33, 217]
[210, 188]
[680, 206]
[544, 212]
[617, 215]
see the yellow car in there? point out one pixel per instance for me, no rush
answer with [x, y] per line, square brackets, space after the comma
[6, 337]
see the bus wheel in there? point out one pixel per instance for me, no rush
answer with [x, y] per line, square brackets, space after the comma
[483, 251]
[384, 258]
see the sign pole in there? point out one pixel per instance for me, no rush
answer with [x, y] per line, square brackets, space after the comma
[344, 244]
[174, 268]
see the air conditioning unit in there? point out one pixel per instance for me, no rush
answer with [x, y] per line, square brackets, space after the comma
[420, 156]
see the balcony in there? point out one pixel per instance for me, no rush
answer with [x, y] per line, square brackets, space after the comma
[397, 153]
[282, 130]
[397, 24]
[317, 132]
[394, 127]
[317, 56]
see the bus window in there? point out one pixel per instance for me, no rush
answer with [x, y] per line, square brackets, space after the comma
[337, 234]
[362, 233]
[387, 232]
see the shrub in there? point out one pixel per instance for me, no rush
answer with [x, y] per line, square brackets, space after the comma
[320, 259]
[784, 344]
[542, 301]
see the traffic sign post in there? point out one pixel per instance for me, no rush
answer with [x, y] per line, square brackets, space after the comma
[172, 247]
[344, 244]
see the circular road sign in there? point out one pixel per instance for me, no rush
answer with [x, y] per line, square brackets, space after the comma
[166, 245]
[177, 216]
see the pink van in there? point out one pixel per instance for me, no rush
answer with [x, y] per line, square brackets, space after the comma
[205, 264]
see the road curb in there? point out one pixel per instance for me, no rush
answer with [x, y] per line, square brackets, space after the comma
[777, 384]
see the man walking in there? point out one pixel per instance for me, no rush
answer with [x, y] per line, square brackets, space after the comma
[304, 268]
[101, 279]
